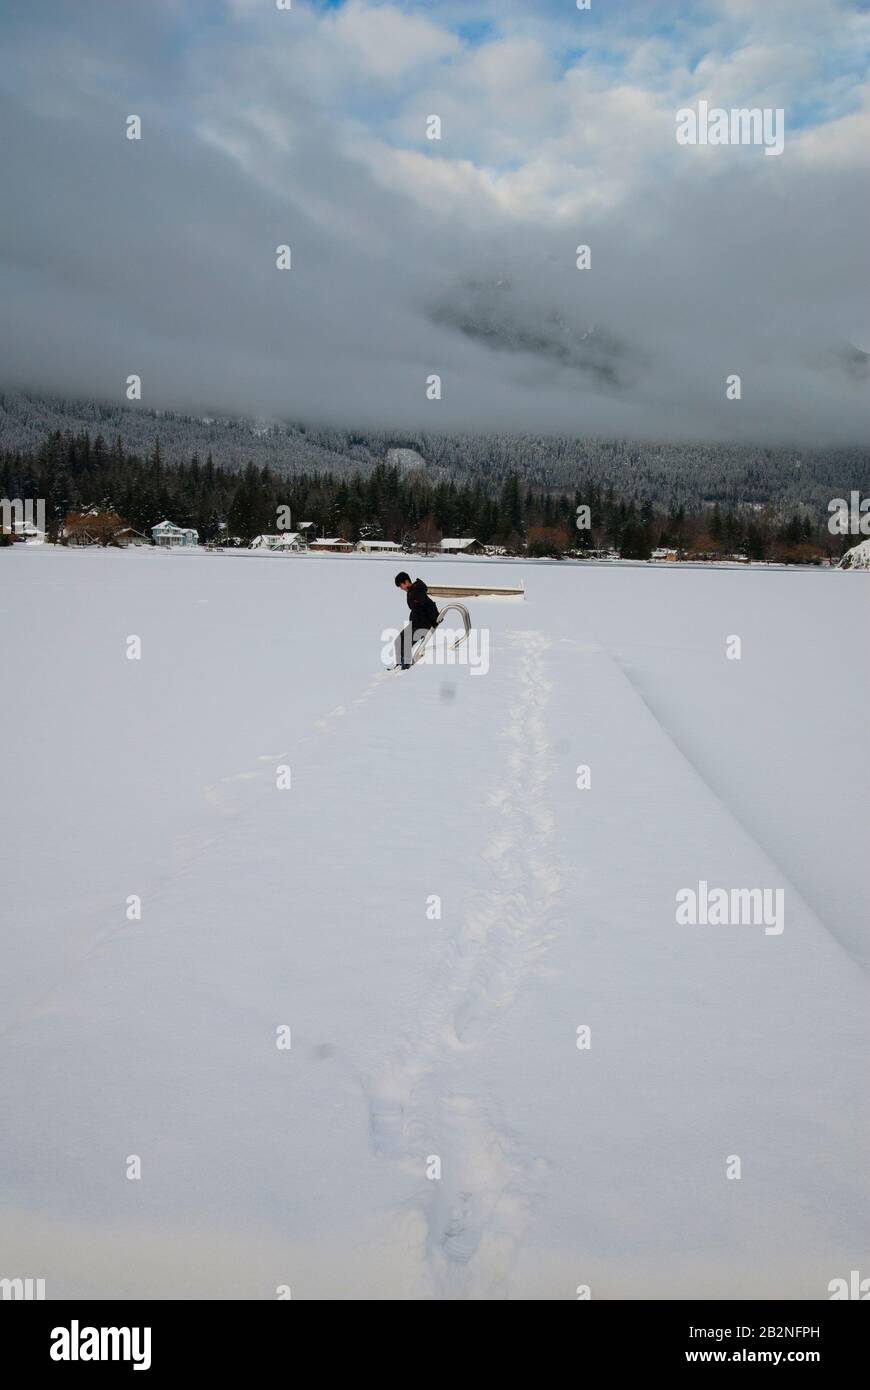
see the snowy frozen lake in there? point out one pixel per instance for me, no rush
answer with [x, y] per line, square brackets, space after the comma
[434, 1131]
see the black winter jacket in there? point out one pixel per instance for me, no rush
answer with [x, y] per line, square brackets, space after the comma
[424, 613]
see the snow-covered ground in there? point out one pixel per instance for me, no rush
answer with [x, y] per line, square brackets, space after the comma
[857, 558]
[418, 1037]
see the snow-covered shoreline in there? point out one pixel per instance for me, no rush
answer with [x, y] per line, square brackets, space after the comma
[419, 559]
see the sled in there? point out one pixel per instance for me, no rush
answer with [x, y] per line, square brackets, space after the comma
[477, 590]
[419, 649]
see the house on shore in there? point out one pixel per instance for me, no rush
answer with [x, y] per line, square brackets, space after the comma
[166, 533]
[379, 547]
[128, 535]
[282, 540]
[468, 545]
[332, 543]
[17, 520]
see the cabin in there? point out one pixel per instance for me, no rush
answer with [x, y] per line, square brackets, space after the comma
[128, 536]
[468, 545]
[282, 540]
[332, 543]
[166, 533]
[379, 547]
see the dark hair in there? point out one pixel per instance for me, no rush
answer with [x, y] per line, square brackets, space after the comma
[401, 577]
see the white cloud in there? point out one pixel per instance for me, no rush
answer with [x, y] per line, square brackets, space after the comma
[455, 256]
[387, 43]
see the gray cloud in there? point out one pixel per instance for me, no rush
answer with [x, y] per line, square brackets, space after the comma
[158, 257]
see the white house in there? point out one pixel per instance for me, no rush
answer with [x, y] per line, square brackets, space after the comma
[334, 543]
[283, 540]
[17, 519]
[379, 547]
[168, 534]
[467, 545]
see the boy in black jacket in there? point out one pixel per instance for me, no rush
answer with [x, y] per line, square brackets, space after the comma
[424, 615]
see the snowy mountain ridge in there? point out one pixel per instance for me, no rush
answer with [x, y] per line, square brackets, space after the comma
[691, 474]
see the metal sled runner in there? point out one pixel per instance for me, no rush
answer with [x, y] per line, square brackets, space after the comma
[420, 650]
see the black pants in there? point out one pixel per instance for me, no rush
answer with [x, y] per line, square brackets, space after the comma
[405, 642]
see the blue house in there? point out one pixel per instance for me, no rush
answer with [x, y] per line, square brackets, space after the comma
[167, 533]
